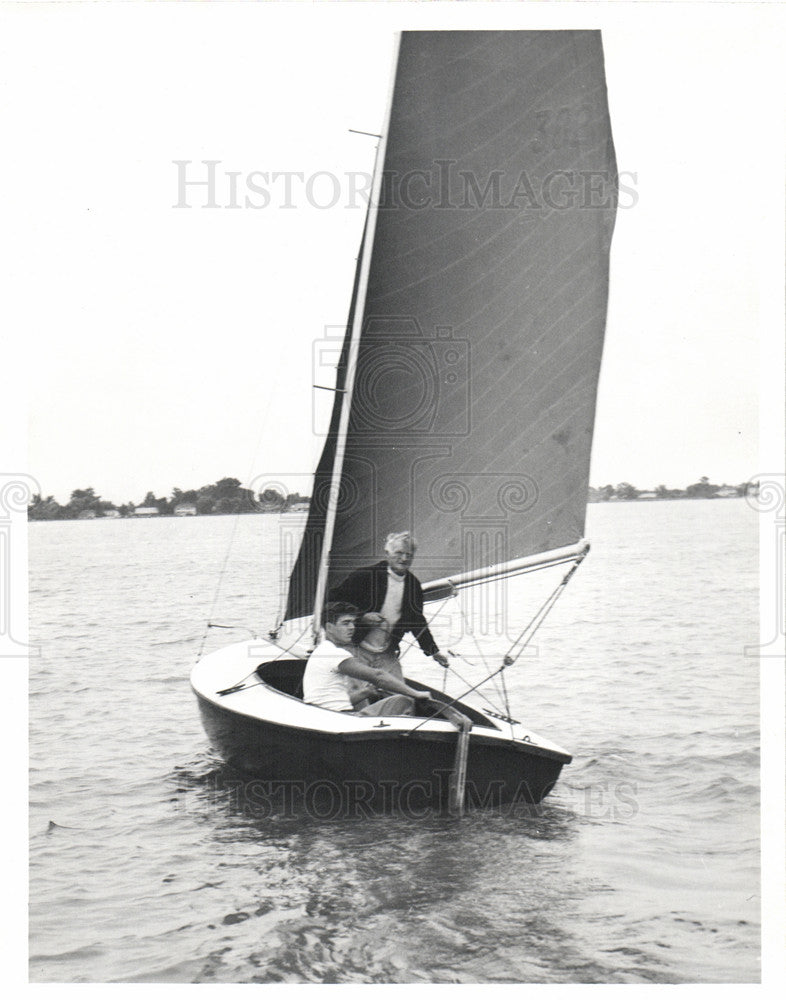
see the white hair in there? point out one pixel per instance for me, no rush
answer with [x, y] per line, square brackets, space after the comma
[398, 537]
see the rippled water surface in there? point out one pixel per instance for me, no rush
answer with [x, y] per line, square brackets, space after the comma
[641, 867]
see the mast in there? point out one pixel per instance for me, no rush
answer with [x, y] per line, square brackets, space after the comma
[364, 266]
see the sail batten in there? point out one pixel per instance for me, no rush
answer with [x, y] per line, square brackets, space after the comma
[482, 322]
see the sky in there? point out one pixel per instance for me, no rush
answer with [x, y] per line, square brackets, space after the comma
[168, 346]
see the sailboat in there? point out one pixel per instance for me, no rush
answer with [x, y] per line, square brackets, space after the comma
[463, 411]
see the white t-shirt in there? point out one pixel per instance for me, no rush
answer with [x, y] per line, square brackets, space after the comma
[323, 685]
[394, 598]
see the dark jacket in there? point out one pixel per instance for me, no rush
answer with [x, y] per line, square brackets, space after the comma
[366, 589]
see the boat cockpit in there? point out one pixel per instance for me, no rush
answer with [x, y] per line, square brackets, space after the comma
[286, 676]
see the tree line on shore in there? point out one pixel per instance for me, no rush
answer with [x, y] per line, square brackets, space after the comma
[702, 490]
[226, 496]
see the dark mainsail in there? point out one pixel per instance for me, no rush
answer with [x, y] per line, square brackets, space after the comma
[484, 313]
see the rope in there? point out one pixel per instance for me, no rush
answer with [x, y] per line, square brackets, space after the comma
[539, 617]
[291, 646]
[498, 693]
[464, 680]
[241, 684]
[454, 701]
[209, 625]
[410, 644]
[219, 582]
[520, 643]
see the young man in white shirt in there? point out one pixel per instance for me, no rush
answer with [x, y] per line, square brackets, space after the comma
[332, 667]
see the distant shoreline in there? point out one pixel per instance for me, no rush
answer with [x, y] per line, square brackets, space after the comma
[165, 517]
[227, 496]
[302, 513]
[656, 499]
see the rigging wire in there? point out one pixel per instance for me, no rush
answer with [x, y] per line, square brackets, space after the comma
[219, 583]
[235, 519]
[540, 616]
[411, 642]
[464, 680]
[241, 684]
[453, 701]
[518, 646]
[291, 646]
[482, 656]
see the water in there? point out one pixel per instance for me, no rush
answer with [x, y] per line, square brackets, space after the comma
[641, 867]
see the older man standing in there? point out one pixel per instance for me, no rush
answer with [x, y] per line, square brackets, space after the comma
[390, 589]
